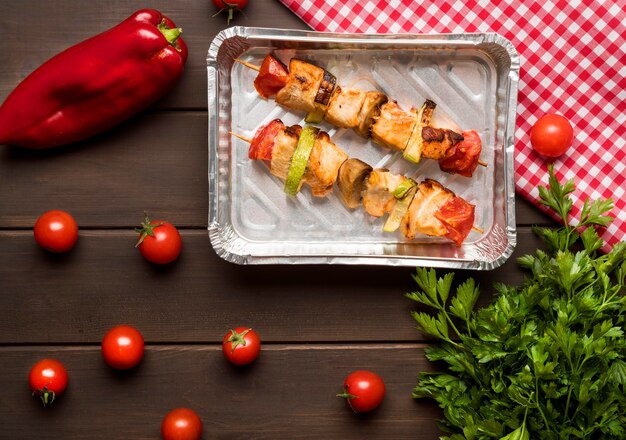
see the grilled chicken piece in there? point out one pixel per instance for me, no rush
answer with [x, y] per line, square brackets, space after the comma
[420, 217]
[284, 147]
[427, 141]
[344, 106]
[378, 198]
[393, 127]
[351, 181]
[437, 141]
[370, 110]
[323, 166]
[302, 86]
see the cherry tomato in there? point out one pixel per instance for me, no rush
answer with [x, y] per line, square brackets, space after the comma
[241, 346]
[363, 390]
[181, 424]
[159, 241]
[56, 231]
[551, 135]
[47, 379]
[123, 347]
[230, 6]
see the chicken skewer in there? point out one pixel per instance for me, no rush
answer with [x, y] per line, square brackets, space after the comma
[372, 114]
[306, 156]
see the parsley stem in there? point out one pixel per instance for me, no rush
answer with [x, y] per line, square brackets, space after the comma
[569, 396]
[526, 415]
[543, 416]
[451, 323]
[605, 302]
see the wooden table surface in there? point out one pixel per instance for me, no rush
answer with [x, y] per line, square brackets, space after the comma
[317, 323]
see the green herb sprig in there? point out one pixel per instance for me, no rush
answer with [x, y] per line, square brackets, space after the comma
[544, 360]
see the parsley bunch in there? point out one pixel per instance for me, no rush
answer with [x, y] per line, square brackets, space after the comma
[545, 360]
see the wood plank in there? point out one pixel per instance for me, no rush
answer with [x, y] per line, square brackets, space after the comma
[104, 281]
[155, 162]
[34, 31]
[527, 214]
[288, 393]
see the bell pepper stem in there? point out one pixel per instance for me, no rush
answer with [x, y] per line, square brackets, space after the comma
[170, 34]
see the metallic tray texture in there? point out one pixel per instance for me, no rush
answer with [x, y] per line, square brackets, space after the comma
[473, 78]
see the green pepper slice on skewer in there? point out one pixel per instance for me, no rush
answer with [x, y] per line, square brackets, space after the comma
[300, 159]
[395, 218]
[402, 188]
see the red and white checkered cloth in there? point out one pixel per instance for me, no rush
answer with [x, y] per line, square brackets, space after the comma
[573, 62]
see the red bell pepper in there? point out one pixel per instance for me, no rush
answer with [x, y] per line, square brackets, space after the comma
[463, 157]
[457, 217]
[262, 145]
[272, 77]
[96, 84]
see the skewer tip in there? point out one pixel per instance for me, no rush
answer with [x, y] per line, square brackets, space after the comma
[483, 163]
[477, 229]
[243, 138]
[248, 65]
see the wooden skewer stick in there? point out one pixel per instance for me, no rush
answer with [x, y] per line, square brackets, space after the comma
[248, 140]
[257, 68]
[243, 138]
[247, 64]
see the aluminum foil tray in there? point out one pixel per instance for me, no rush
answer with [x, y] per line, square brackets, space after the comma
[473, 78]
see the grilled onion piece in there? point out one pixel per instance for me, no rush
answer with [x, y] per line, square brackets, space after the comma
[370, 110]
[351, 181]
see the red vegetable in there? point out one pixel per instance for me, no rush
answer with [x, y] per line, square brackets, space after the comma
[363, 390]
[463, 157]
[272, 77]
[551, 135]
[230, 6]
[241, 346]
[262, 144]
[56, 231]
[458, 218]
[122, 347]
[159, 241]
[96, 84]
[48, 379]
[181, 424]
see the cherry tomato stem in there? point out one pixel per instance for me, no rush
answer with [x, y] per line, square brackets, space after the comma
[363, 390]
[230, 6]
[159, 241]
[48, 379]
[47, 396]
[241, 345]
